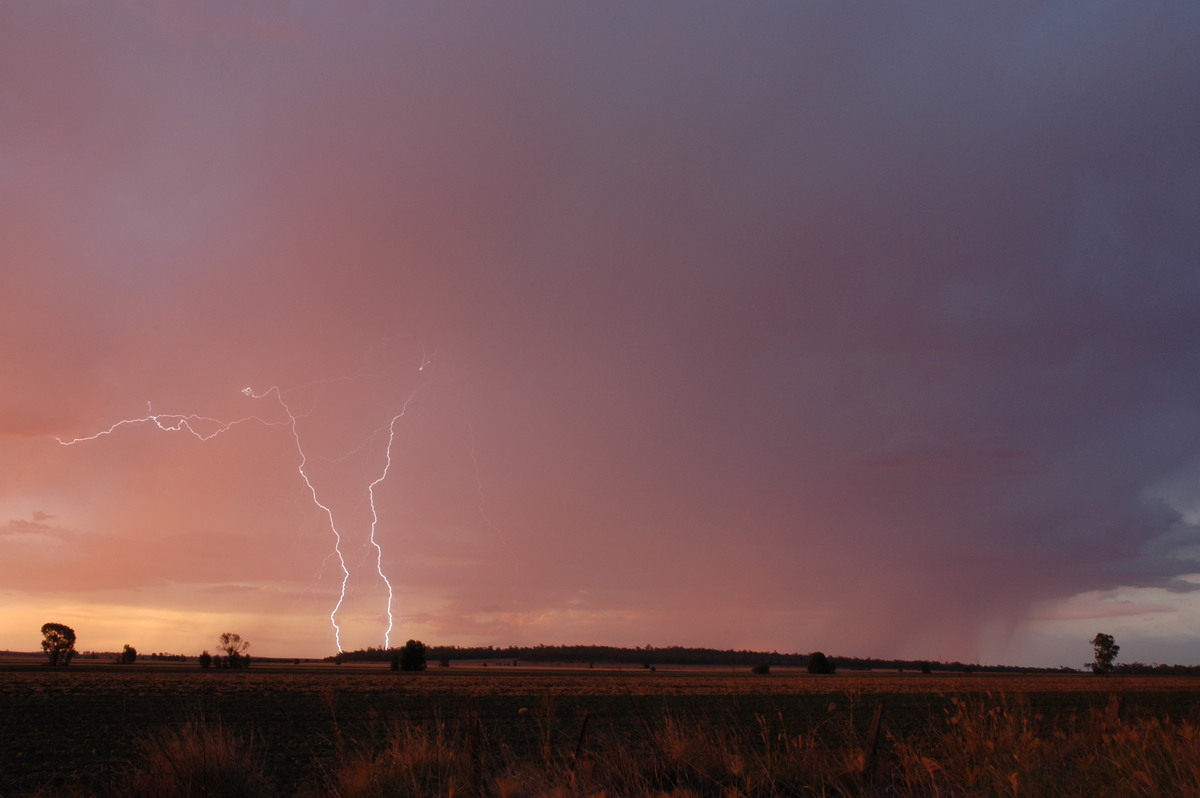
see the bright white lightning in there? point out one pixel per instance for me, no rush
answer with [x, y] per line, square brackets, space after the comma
[375, 515]
[337, 536]
[196, 425]
[374, 541]
[426, 357]
[174, 422]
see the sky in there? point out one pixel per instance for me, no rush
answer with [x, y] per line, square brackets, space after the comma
[772, 325]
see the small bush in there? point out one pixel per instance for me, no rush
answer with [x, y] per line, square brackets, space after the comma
[412, 656]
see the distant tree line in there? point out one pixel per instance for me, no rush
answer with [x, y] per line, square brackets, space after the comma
[672, 655]
[1143, 669]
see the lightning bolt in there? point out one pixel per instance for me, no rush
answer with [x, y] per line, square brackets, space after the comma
[426, 355]
[387, 467]
[205, 428]
[174, 422]
[293, 424]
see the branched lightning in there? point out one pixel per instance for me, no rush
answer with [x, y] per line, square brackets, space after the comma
[337, 536]
[205, 428]
[173, 422]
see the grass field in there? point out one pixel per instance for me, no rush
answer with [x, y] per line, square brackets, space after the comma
[323, 730]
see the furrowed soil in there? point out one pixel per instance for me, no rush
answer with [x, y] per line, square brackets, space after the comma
[85, 727]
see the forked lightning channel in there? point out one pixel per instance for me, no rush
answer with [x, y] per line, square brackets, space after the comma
[206, 428]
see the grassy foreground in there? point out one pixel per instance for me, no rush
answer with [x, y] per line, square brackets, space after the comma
[325, 731]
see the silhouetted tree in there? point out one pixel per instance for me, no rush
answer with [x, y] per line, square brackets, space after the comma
[412, 656]
[819, 663]
[205, 659]
[233, 645]
[128, 655]
[58, 641]
[395, 660]
[1106, 650]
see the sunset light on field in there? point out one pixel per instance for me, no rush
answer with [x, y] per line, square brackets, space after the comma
[779, 326]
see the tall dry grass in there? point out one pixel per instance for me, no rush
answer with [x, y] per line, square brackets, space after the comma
[1001, 748]
[979, 746]
[198, 758]
[412, 763]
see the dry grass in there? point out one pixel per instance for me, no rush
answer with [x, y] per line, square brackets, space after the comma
[197, 758]
[412, 762]
[987, 746]
[1000, 748]
[527, 735]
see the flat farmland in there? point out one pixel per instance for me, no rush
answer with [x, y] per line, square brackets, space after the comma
[100, 729]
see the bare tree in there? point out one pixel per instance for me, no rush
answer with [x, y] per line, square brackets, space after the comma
[234, 647]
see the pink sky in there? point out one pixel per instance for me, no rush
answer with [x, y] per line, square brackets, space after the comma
[781, 327]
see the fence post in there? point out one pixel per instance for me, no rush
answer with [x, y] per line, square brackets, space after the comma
[475, 754]
[579, 744]
[872, 740]
[1112, 714]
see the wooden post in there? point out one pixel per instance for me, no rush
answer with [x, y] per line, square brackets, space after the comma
[475, 753]
[1112, 714]
[872, 740]
[579, 743]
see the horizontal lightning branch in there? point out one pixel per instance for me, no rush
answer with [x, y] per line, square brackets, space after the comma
[174, 422]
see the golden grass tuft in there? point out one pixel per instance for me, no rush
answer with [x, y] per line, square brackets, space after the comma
[198, 758]
[412, 762]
